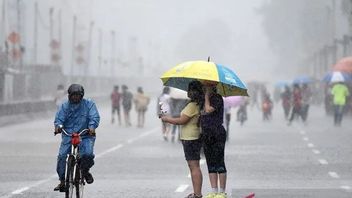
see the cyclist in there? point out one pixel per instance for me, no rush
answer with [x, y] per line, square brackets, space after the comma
[76, 114]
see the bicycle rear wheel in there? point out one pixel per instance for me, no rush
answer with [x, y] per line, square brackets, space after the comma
[69, 177]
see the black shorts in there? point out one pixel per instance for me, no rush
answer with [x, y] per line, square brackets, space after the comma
[214, 149]
[191, 149]
[115, 109]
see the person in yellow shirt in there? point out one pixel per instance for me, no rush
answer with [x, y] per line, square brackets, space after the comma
[190, 134]
[340, 93]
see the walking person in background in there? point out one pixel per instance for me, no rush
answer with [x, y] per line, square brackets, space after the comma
[126, 104]
[242, 111]
[115, 104]
[60, 95]
[286, 101]
[141, 102]
[190, 134]
[297, 103]
[340, 94]
[214, 139]
[164, 101]
[306, 100]
[267, 106]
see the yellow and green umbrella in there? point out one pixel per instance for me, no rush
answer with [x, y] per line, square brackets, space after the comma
[228, 83]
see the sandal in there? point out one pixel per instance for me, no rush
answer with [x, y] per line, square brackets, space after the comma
[193, 195]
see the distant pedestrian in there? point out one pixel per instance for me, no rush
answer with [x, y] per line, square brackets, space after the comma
[115, 104]
[286, 101]
[242, 111]
[214, 139]
[126, 104]
[340, 94]
[267, 106]
[190, 134]
[164, 108]
[296, 103]
[60, 95]
[306, 100]
[141, 102]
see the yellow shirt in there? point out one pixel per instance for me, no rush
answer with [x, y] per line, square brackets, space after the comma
[190, 131]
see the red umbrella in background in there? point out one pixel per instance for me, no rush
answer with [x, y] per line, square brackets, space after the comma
[344, 65]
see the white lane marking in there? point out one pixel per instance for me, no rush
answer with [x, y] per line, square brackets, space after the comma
[19, 191]
[181, 188]
[109, 150]
[345, 187]
[302, 132]
[23, 189]
[323, 161]
[131, 140]
[334, 175]
[305, 139]
[310, 145]
[315, 151]
[142, 135]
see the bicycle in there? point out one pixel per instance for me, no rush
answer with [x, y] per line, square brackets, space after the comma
[73, 173]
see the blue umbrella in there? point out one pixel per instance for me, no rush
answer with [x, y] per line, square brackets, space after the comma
[337, 76]
[281, 84]
[302, 80]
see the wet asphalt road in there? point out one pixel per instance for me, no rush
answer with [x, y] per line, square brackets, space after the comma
[270, 159]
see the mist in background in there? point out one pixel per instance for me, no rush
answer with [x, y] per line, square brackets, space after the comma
[261, 40]
[154, 35]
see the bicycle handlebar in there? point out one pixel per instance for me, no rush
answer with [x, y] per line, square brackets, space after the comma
[65, 132]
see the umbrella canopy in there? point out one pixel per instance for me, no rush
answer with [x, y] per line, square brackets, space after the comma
[302, 80]
[344, 65]
[281, 84]
[178, 94]
[228, 83]
[232, 101]
[337, 76]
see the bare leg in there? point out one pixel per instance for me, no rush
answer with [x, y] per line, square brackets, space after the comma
[143, 117]
[119, 116]
[128, 119]
[222, 180]
[213, 177]
[196, 175]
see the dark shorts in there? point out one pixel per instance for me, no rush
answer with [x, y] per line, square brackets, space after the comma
[127, 107]
[191, 149]
[214, 149]
[115, 109]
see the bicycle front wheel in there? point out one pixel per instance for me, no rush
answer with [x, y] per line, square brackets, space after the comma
[69, 185]
[79, 182]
